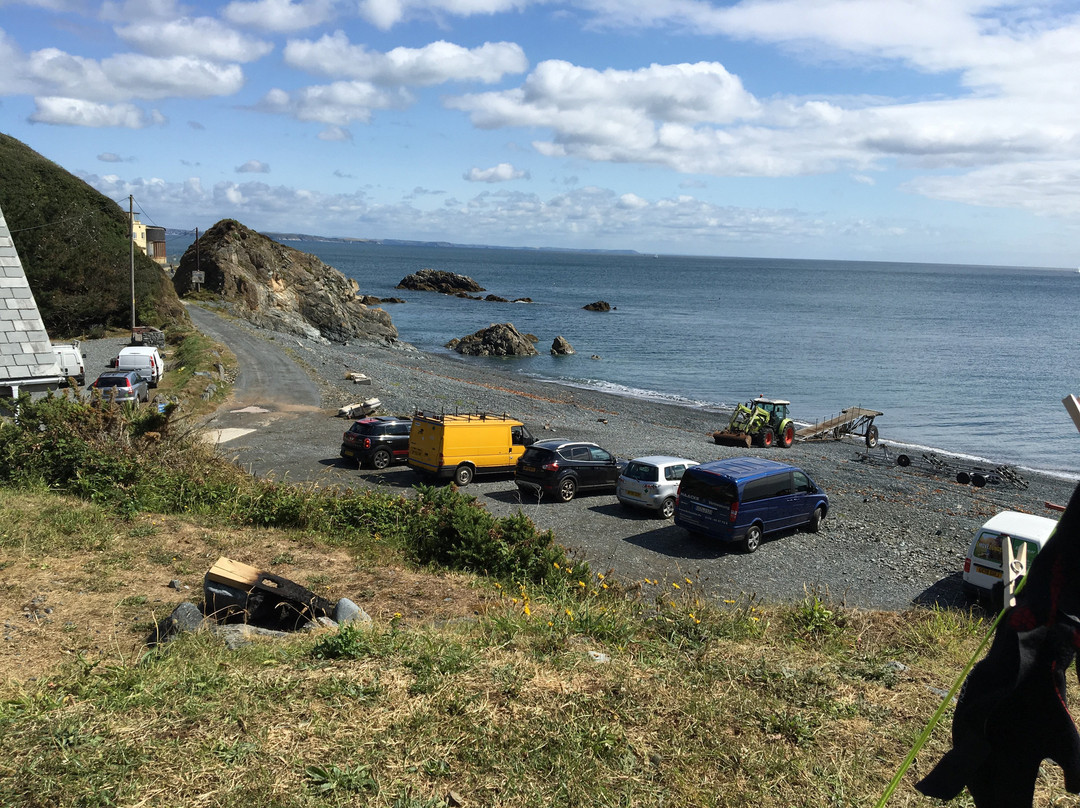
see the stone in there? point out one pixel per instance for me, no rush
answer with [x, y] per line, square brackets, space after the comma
[438, 280]
[345, 611]
[186, 617]
[599, 305]
[561, 347]
[498, 339]
[237, 635]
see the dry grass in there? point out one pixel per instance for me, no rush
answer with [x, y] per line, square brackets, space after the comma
[461, 691]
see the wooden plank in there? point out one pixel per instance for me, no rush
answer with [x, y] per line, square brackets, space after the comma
[234, 573]
[848, 416]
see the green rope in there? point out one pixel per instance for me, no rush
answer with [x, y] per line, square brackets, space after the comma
[945, 702]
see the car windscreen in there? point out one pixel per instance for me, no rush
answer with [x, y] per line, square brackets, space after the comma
[641, 471]
[536, 456]
[706, 487]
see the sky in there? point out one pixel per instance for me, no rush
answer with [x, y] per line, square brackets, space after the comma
[942, 131]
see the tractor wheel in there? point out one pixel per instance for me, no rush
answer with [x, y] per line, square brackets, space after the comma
[766, 437]
[787, 435]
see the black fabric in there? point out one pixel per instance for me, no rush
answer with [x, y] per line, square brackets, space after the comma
[1012, 713]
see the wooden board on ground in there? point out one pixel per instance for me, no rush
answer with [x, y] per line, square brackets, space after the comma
[234, 573]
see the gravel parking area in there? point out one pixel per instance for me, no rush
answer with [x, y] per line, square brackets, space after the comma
[894, 536]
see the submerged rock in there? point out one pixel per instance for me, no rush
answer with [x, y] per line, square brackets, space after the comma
[498, 339]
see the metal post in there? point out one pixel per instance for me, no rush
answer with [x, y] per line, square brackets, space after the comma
[131, 245]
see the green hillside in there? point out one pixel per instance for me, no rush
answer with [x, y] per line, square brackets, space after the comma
[73, 242]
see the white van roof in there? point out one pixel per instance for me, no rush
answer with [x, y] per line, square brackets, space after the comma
[138, 350]
[1022, 525]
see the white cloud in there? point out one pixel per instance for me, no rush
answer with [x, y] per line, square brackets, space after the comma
[199, 37]
[384, 14]
[1048, 188]
[279, 15]
[500, 173]
[335, 133]
[126, 76]
[336, 104]
[76, 112]
[253, 167]
[438, 62]
[110, 157]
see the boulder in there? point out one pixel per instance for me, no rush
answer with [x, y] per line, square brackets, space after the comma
[599, 305]
[438, 280]
[280, 288]
[498, 339]
[561, 347]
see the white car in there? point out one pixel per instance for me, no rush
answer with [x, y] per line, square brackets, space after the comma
[984, 562]
[652, 482]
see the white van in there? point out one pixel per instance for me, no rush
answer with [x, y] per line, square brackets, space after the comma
[145, 360]
[71, 361]
[983, 564]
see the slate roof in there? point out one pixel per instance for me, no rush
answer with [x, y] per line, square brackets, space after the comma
[26, 355]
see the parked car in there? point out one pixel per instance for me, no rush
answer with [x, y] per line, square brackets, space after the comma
[143, 358]
[984, 562]
[562, 468]
[652, 482]
[72, 363]
[460, 447]
[122, 385]
[742, 499]
[377, 441]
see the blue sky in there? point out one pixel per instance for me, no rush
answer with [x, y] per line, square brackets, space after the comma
[911, 130]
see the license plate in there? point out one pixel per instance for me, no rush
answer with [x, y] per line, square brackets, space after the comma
[988, 571]
[528, 468]
[701, 509]
[347, 452]
[634, 493]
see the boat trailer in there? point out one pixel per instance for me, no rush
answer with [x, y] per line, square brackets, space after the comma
[852, 421]
[965, 472]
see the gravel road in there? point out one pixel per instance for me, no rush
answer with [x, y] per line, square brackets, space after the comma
[895, 537]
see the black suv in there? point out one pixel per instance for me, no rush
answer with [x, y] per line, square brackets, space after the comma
[378, 441]
[563, 467]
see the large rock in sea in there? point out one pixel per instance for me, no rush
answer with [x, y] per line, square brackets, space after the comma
[438, 280]
[498, 339]
[280, 288]
[599, 305]
[561, 346]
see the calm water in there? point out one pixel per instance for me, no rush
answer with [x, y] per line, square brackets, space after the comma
[968, 359]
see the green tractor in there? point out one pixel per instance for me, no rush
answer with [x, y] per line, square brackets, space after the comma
[763, 421]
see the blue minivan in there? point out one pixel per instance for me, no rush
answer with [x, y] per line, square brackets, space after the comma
[744, 498]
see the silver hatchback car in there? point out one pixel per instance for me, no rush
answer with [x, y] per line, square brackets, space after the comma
[652, 482]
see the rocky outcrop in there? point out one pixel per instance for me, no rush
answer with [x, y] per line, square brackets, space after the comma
[372, 300]
[498, 339]
[599, 305]
[277, 287]
[561, 347]
[437, 280]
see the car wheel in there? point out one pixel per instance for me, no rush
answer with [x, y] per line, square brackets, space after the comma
[381, 459]
[752, 541]
[667, 509]
[815, 519]
[567, 489]
[463, 474]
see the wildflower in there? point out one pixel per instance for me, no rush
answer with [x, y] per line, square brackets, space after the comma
[581, 584]
[556, 563]
[675, 585]
[688, 580]
[600, 575]
[603, 586]
[498, 586]
[726, 600]
[527, 610]
[550, 623]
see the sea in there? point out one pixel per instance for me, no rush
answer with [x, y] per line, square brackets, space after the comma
[971, 360]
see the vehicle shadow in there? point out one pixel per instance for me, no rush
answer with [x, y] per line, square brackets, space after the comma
[948, 593]
[516, 496]
[670, 540]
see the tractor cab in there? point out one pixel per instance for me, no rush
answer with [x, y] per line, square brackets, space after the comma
[776, 408]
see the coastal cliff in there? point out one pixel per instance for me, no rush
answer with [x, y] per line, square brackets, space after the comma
[278, 287]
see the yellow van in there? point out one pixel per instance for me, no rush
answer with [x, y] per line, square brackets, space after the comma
[462, 446]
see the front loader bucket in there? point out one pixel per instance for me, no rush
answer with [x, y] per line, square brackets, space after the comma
[731, 439]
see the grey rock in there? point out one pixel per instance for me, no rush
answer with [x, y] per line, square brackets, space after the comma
[223, 601]
[561, 347]
[237, 635]
[187, 617]
[599, 305]
[498, 339]
[437, 280]
[345, 611]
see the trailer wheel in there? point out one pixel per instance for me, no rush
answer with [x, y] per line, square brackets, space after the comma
[871, 436]
[903, 460]
[978, 480]
[963, 477]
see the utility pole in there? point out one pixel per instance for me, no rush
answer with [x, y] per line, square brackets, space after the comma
[131, 245]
